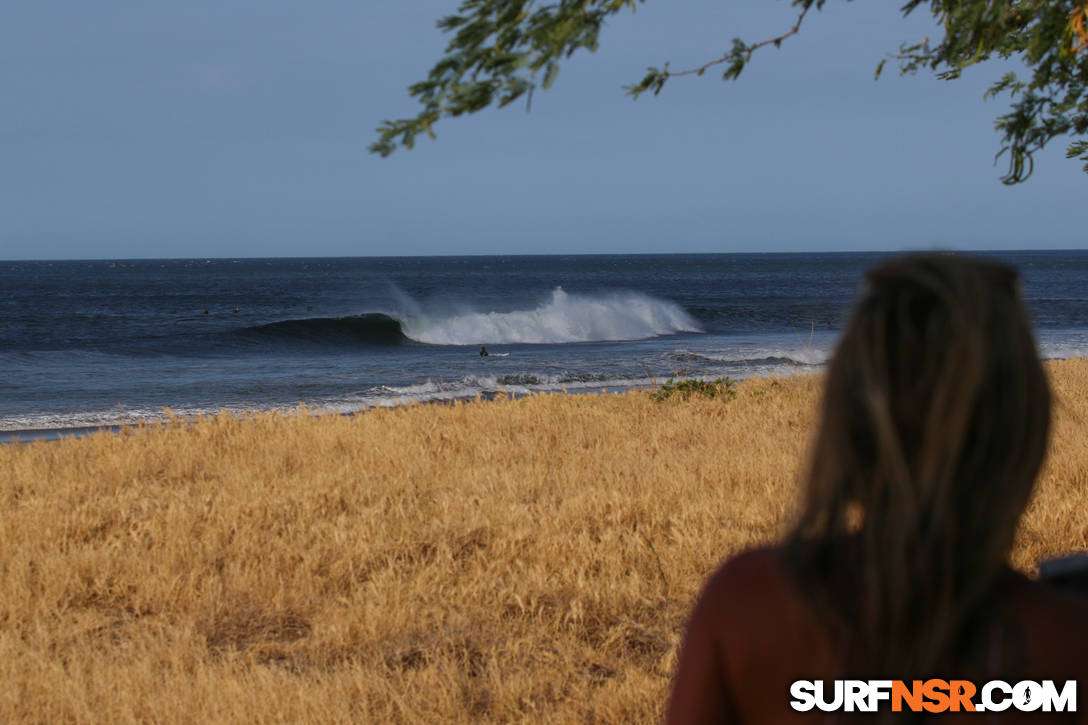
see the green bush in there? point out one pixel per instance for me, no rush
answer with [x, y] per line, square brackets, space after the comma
[687, 387]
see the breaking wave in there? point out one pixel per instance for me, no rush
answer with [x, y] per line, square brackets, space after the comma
[562, 318]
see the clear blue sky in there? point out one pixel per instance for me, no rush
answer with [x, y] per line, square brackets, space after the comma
[196, 129]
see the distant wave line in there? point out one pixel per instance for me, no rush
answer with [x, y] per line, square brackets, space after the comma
[563, 318]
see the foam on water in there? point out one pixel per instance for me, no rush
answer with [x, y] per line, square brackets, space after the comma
[810, 357]
[1062, 344]
[110, 418]
[563, 318]
[470, 386]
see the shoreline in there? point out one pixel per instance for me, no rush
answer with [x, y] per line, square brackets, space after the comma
[55, 433]
[26, 435]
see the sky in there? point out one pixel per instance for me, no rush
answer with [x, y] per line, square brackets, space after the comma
[135, 129]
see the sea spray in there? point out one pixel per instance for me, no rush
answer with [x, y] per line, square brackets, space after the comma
[563, 318]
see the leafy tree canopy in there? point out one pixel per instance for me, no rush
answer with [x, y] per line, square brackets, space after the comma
[501, 50]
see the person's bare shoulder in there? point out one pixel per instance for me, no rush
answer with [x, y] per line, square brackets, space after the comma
[746, 580]
[756, 608]
[764, 632]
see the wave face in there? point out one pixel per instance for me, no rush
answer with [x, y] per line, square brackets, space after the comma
[370, 329]
[563, 318]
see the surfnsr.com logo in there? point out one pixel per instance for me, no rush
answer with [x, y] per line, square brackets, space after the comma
[933, 696]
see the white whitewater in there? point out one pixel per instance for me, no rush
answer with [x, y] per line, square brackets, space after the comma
[563, 318]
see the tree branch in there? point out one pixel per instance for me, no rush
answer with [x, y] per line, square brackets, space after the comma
[737, 58]
[777, 41]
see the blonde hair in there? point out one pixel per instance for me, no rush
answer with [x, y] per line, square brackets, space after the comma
[933, 427]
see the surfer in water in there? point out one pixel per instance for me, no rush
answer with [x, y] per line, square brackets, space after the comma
[483, 351]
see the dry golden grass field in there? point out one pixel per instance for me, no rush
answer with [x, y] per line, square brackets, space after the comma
[517, 560]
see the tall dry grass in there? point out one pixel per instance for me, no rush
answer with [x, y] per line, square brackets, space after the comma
[520, 560]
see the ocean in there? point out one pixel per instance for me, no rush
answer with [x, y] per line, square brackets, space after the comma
[85, 344]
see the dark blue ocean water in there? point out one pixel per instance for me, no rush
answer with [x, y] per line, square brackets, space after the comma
[87, 343]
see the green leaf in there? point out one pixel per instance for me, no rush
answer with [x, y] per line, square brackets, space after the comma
[550, 75]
